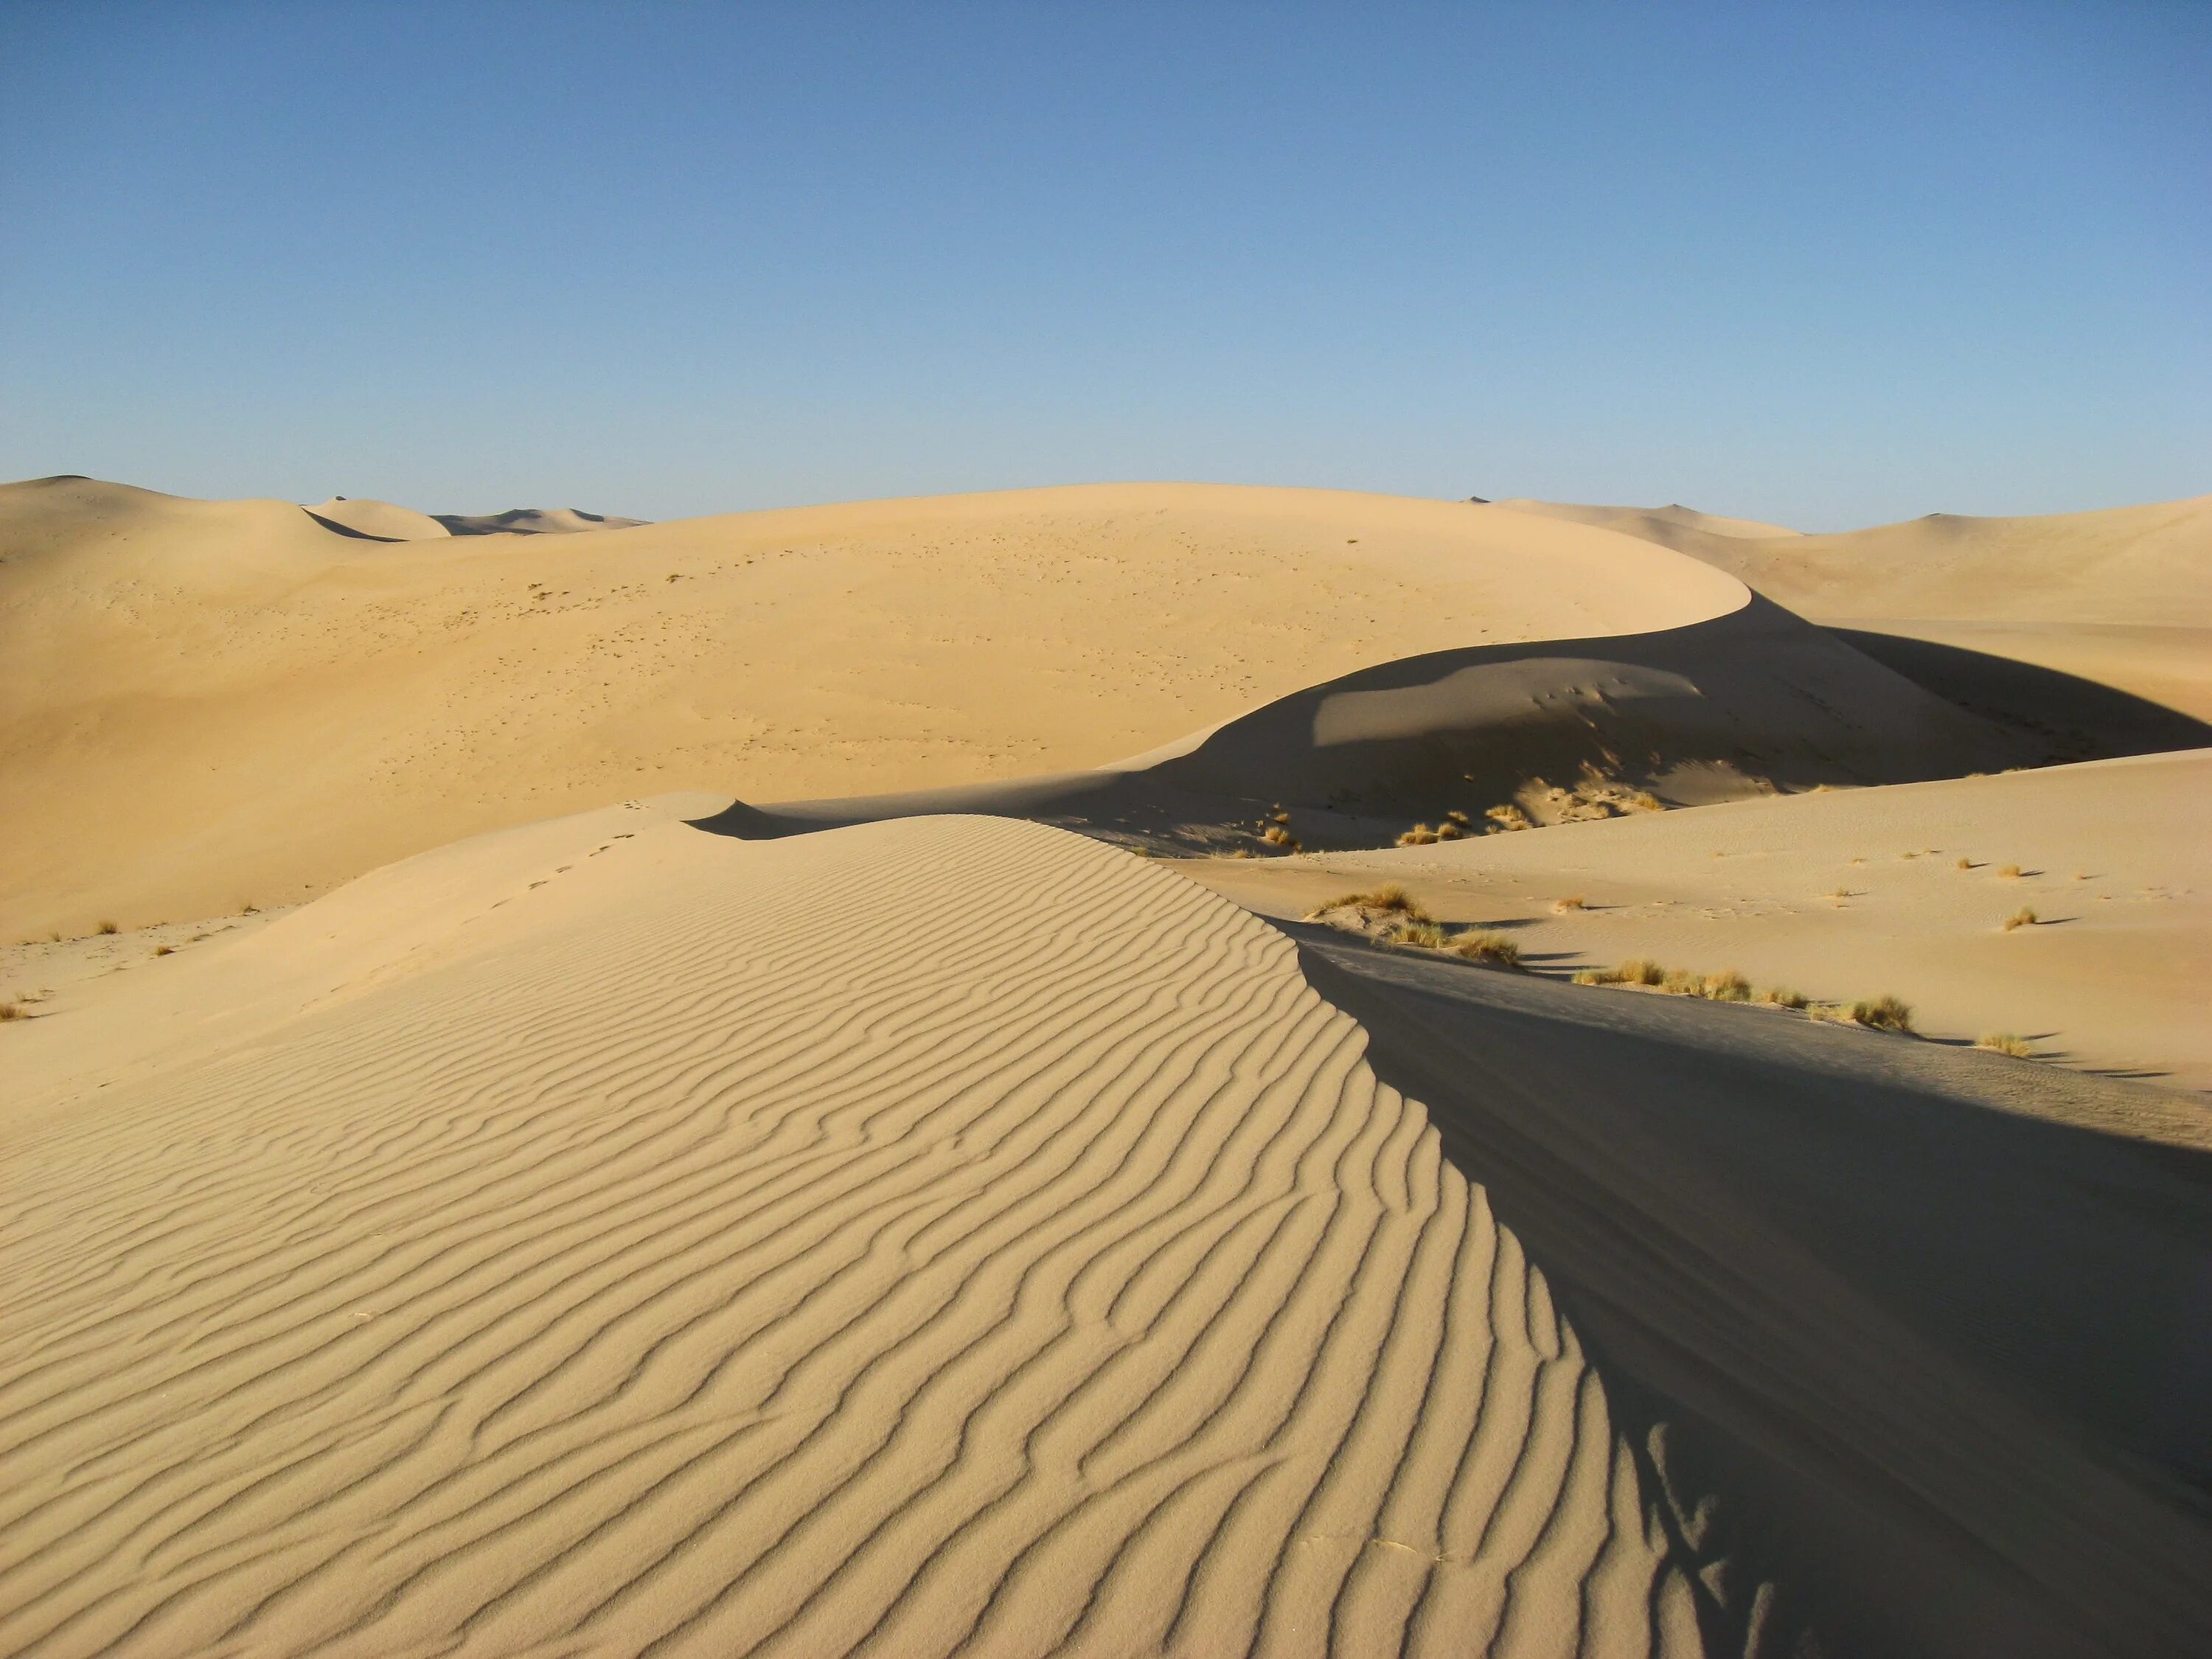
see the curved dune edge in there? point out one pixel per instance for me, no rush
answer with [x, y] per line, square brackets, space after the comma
[208, 703]
[677, 1243]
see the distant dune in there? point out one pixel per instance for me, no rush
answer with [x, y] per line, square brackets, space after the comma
[2121, 598]
[210, 703]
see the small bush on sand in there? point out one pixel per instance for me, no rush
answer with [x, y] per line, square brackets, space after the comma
[1572, 902]
[1596, 976]
[1276, 836]
[2004, 1042]
[11, 1011]
[1640, 970]
[1781, 996]
[2023, 917]
[1509, 816]
[165, 949]
[2009, 872]
[1727, 986]
[1458, 817]
[1883, 1014]
[1495, 949]
[1965, 864]
[1280, 817]
[107, 928]
[1419, 836]
[1392, 896]
[1682, 983]
[1426, 934]
[1449, 831]
[1644, 801]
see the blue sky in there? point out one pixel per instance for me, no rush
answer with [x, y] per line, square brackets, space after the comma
[1831, 265]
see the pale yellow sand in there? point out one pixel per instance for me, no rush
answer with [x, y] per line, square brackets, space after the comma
[2123, 597]
[204, 704]
[2114, 860]
[942, 1235]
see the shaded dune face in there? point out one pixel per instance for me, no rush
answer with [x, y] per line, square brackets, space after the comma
[764, 1247]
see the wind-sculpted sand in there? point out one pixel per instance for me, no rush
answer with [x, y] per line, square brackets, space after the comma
[943, 1235]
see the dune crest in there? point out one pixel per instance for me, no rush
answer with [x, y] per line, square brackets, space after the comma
[721, 1247]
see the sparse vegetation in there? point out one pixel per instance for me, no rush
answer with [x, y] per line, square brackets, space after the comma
[108, 928]
[9, 1011]
[165, 949]
[1595, 976]
[1883, 1014]
[1496, 949]
[1426, 934]
[1640, 970]
[2004, 1042]
[2009, 872]
[1458, 817]
[2023, 917]
[1509, 816]
[1965, 864]
[1726, 986]
[1449, 831]
[1280, 817]
[1276, 836]
[1572, 902]
[1781, 996]
[1419, 836]
[1644, 801]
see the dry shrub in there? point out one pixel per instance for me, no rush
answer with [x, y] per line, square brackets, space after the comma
[1572, 902]
[165, 949]
[2009, 872]
[1280, 817]
[2023, 917]
[1458, 817]
[11, 1011]
[107, 928]
[1450, 832]
[1419, 836]
[1509, 816]
[2004, 1042]
[1640, 970]
[1682, 983]
[1965, 864]
[1276, 836]
[1426, 934]
[1781, 996]
[1883, 1014]
[1596, 976]
[1727, 986]
[1496, 949]
[1644, 801]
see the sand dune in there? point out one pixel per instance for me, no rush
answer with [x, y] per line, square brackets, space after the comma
[2122, 598]
[609, 1238]
[532, 521]
[1858, 893]
[378, 520]
[204, 704]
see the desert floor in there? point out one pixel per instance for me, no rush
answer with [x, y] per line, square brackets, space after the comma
[790, 1083]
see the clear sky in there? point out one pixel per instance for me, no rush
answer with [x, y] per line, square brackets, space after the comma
[1830, 265]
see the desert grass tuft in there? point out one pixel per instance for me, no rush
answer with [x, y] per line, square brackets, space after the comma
[1419, 836]
[1509, 816]
[1276, 836]
[1596, 976]
[1965, 864]
[1781, 996]
[1572, 902]
[1682, 983]
[1495, 949]
[165, 949]
[107, 928]
[1449, 831]
[1458, 817]
[2023, 917]
[1640, 970]
[1727, 986]
[9, 1011]
[1883, 1014]
[2009, 872]
[1426, 934]
[2004, 1042]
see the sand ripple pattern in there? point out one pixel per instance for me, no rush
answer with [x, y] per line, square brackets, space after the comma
[947, 1235]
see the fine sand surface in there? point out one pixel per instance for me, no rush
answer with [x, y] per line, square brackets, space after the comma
[2121, 598]
[208, 704]
[943, 1235]
[1855, 894]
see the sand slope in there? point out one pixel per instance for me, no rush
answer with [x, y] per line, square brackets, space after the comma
[942, 1236]
[207, 703]
[378, 520]
[2121, 598]
[2114, 862]
[532, 521]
